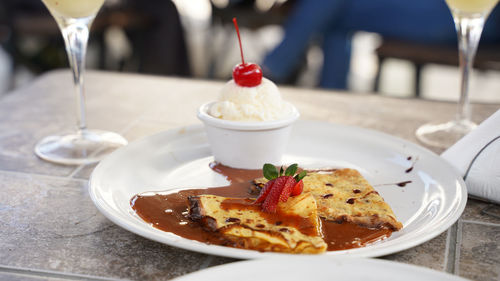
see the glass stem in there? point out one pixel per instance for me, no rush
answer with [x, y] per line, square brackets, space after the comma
[76, 35]
[469, 32]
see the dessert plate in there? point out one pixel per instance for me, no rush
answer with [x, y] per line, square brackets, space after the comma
[301, 268]
[426, 194]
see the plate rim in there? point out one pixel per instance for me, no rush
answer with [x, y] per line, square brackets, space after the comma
[337, 261]
[217, 250]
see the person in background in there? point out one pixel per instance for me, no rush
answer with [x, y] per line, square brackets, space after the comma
[335, 21]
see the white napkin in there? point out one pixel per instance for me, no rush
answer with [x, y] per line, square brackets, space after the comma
[477, 157]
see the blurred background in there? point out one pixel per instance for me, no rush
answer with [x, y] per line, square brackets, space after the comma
[391, 47]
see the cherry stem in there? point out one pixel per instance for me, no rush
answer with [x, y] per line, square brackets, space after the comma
[239, 39]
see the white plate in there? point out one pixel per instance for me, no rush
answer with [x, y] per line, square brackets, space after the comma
[318, 269]
[179, 158]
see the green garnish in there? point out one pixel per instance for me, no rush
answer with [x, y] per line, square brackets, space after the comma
[300, 176]
[270, 172]
[290, 171]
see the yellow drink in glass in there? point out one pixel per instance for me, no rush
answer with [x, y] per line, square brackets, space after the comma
[74, 8]
[472, 6]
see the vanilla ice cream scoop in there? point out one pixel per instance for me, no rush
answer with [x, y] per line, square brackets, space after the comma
[260, 103]
[249, 125]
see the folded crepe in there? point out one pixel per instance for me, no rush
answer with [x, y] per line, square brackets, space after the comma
[345, 195]
[294, 228]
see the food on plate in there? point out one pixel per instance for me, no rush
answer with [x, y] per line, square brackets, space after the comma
[280, 187]
[293, 228]
[289, 210]
[344, 195]
[248, 96]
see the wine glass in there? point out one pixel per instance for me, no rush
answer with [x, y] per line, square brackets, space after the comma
[84, 146]
[469, 17]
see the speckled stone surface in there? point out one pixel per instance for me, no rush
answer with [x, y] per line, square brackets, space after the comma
[480, 211]
[50, 230]
[22, 277]
[431, 254]
[480, 251]
[51, 224]
[34, 275]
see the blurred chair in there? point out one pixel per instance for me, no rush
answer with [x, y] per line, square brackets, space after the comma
[154, 30]
[418, 23]
[161, 45]
[487, 58]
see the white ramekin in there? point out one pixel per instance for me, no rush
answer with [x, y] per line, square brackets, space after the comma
[247, 145]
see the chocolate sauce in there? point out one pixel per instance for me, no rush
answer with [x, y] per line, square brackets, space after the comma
[343, 236]
[168, 211]
[403, 183]
[235, 175]
[412, 164]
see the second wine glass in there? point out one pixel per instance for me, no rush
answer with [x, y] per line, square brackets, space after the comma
[469, 17]
[84, 146]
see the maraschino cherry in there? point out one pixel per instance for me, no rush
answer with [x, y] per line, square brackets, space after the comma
[246, 74]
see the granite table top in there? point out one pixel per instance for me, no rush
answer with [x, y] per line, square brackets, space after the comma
[50, 229]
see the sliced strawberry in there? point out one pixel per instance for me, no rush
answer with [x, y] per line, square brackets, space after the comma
[297, 189]
[280, 187]
[287, 189]
[265, 191]
[273, 196]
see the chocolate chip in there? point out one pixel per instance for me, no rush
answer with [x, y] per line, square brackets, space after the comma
[328, 184]
[356, 191]
[327, 195]
[350, 201]
[278, 223]
[260, 225]
[236, 220]
[284, 229]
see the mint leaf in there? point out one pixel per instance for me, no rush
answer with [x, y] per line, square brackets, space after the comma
[300, 176]
[290, 171]
[269, 171]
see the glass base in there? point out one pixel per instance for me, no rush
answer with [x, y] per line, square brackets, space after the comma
[444, 135]
[84, 147]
